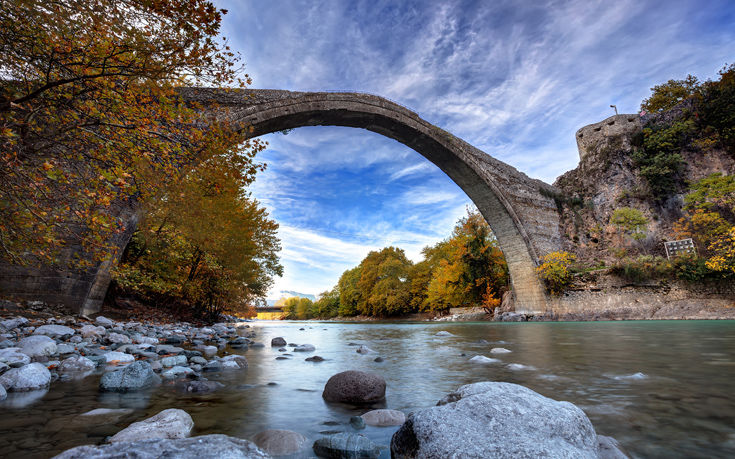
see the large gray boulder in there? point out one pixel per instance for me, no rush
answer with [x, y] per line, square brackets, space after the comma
[278, 342]
[171, 423]
[37, 346]
[54, 331]
[136, 376]
[204, 446]
[11, 324]
[3, 393]
[28, 377]
[278, 442]
[354, 387]
[496, 420]
[347, 446]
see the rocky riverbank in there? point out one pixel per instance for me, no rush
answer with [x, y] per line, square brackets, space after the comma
[130, 357]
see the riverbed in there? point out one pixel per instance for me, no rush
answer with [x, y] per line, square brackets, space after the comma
[661, 388]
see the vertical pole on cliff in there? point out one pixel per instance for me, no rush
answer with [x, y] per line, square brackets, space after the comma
[615, 107]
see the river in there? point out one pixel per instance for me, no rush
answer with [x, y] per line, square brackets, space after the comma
[661, 388]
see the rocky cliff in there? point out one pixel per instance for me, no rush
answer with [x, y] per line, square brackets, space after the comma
[608, 178]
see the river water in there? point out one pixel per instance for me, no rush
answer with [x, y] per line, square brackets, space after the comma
[661, 388]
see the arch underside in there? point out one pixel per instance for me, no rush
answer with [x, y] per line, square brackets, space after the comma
[505, 197]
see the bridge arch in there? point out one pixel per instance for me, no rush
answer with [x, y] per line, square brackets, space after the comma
[519, 210]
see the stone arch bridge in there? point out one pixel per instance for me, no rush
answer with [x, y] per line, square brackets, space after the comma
[519, 209]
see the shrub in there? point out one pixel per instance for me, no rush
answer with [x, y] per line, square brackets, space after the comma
[555, 271]
[645, 267]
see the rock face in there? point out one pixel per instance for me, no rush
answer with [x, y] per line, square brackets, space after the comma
[496, 420]
[383, 418]
[28, 377]
[168, 424]
[346, 445]
[136, 376]
[280, 442]
[354, 387]
[37, 346]
[205, 446]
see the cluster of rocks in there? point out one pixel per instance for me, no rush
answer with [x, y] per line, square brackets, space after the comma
[483, 420]
[131, 355]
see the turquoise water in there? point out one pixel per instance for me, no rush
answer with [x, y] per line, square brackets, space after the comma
[661, 388]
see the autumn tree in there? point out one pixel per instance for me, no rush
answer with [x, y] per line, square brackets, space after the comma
[90, 116]
[205, 242]
[667, 95]
[473, 272]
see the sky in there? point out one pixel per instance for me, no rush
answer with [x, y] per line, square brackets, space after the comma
[513, 78]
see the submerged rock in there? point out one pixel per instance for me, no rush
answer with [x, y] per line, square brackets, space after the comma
[201, 386]
[483, 359]
[493, 419]
[354, 387]
[169, 424]
[204, 446]
[280, 442]
[136, 376]
[346, 445]
[357, 422]
[499, 350]
[28, 377]
[314, 358]
[304, 348]
[383, 418]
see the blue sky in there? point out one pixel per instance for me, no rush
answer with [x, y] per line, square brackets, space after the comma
[514, 78]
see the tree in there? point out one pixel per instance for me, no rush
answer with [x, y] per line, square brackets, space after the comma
[473, 270]
[715, 192]
[204, 242]
[327, 306]
[383, 283]
[90, 116]
[631, 221]
[349, 293]
[667, 95]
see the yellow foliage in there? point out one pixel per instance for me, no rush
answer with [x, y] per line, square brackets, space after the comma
[555, 271]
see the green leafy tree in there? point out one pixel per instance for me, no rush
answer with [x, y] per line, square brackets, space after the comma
[327, 306]
[349, 293]
[631, 221]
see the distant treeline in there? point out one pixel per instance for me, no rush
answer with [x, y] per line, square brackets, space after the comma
[467, 269]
